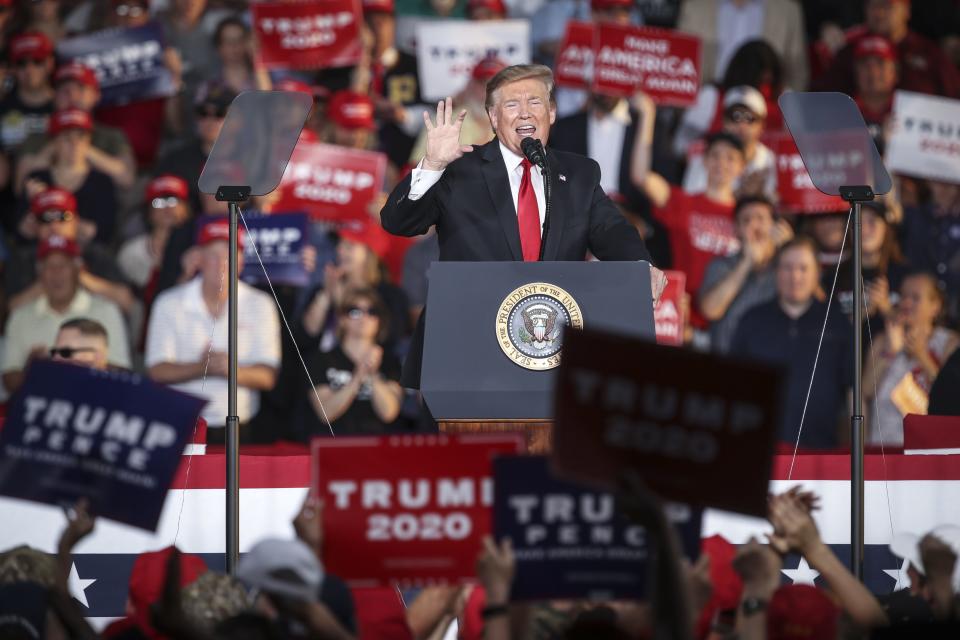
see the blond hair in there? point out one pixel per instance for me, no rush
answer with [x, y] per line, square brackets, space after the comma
[518, 72]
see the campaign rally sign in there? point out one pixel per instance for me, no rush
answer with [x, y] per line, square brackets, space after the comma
[128, 62]
[406, 509]
[569, 540]
[574, 65]
[280, 239]
[925, 137]
[310, 34]
[662, 63]
[112, 437]
[668, 316]
[679, 418]
[447, 51]
[794, 186]
[331, 183]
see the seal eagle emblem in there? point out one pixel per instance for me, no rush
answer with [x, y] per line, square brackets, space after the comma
[531, 321]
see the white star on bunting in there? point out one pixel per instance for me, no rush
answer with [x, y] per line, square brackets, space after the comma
[803, 574]
[900, 575]
[78, 585]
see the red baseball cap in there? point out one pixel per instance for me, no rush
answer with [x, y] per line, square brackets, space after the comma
[487, 68]
[801, 611]
[76, 72]
[496, 6]
[53, 199]
[30, 44]
[70, 119]
[57, 244]
[875, 47]
[147, 579]
[600, 5]
[351, 110]
[218, 230]
[167, 185]
[727, 585]
[384, 6]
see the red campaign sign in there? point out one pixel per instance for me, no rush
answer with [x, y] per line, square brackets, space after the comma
[794, 186]
[668, 315]
[331, 183]
[408, 510]
[680, 419]
[574, 62]
[314, 34]
[665, 64]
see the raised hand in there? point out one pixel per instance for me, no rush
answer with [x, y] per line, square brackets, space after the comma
[443, 137]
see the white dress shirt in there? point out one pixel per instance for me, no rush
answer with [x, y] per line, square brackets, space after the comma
[422, 179]
[605, 134]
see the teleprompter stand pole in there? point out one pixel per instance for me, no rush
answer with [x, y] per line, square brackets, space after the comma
[233, 196]
[856, 196]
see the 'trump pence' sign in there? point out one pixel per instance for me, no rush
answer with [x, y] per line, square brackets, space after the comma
[683, 420]
[406, 509]
[926, 137]
[112, 437]
[570, 541]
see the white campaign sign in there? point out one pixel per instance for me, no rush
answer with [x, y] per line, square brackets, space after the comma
[925, 137]
[447, 51]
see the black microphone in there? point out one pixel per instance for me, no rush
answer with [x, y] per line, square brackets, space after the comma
[533, 150]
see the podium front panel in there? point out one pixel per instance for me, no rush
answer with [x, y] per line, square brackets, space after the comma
[466, 375]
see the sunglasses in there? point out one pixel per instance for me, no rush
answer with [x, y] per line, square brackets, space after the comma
[130, 10]
[742, 116]
[164, 203]
[211, 112]
[23, 63]
[67, 353]
[55, 216]
[355, 313]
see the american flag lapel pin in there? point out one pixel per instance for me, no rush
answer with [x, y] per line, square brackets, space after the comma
[562, 177]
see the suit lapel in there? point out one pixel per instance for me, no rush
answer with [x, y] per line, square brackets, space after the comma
[558, 212]
[498, 184]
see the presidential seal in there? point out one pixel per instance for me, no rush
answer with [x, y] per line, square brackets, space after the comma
[530, 324]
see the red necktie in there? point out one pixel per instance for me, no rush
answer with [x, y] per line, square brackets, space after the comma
[528, 217]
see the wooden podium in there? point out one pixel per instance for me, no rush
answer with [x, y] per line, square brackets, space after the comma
[538, 434]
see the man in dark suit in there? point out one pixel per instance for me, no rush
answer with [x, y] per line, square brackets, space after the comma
[487, 202]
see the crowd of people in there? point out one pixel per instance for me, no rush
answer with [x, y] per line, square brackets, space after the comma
[112, 257]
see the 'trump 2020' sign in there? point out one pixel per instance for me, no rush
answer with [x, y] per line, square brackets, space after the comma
[406, 509]
[112, 437]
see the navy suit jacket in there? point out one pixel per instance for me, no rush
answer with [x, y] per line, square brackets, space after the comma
[472, 208]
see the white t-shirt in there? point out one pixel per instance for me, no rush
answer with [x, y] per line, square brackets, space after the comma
[182, 329]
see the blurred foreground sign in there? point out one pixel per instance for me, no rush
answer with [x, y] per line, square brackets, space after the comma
[569, 540]
[112, 437]
[925, 141]
[698, 428]
[406, 510]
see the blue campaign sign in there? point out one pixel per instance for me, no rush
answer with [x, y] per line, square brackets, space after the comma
[113, 437]
[128, 62]
[280, 239]
[570, 541]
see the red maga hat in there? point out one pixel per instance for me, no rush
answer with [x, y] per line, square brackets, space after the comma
[53, 199]
[600, 5]
[875, 47]
[496, 6]
[801, 611]
[218, 230]
[167, 185]
[68, 119]
[76, 72]
[487, 68]
[351, 110]
[57, 244]
[30, 44]
[384, 6]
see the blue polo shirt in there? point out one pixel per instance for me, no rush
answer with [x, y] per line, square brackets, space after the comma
[766, 333]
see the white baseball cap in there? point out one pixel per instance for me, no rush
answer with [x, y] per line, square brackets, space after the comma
[281, 567]
[745, 96]
[907, 546]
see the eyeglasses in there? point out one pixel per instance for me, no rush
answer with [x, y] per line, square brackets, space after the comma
[67, 353]
[742, 116]
[210, 111]
[355, 313]
[164, 203]
[130, 10]
[56, 216]
[23, 63]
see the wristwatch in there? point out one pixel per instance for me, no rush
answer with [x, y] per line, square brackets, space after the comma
[751, 606]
